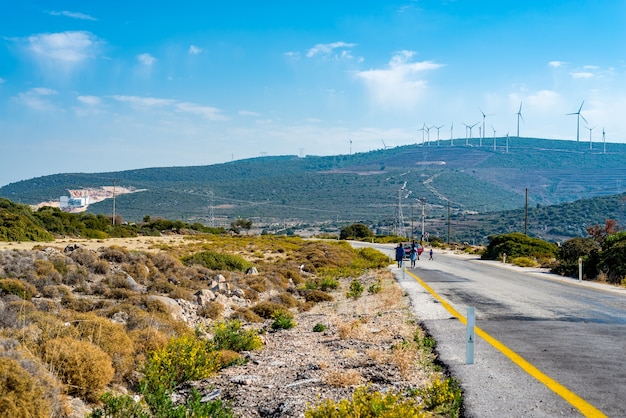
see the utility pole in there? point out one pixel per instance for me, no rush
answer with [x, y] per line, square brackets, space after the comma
[526, 215]
[423, 200]
[113, 220]
[211, 211]
[448, 223]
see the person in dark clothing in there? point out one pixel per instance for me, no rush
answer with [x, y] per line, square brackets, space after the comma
[399, 254]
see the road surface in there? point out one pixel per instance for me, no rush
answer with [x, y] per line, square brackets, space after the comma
[547, 346]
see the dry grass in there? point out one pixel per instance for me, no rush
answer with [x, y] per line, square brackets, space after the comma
[342, 378]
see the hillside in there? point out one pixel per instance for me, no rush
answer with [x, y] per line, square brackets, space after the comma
[288, 191]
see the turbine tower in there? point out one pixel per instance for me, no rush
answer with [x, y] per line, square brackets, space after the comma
[452, 134]
[437, 128]
[603, 140]
[590, 143]
[494, 137]
[519, 116]
[423, 128]
[578, 114]
[482, 135]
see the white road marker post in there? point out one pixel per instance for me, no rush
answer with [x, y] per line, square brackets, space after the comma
[470, 335]
[580, 269]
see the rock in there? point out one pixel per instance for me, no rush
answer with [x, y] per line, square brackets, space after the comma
[252, 271]
[204, 297]
[173, 307]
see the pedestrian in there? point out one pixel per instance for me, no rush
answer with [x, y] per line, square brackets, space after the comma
[399, 254]
[431, 254]
[413, 256]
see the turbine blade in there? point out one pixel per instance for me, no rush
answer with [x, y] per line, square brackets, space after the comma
[581, 106]
[583, 118]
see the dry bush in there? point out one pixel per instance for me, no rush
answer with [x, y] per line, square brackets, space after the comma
[101, 267]
[20, 393]
[84, 368]
[229, 357]
[44, 269]
[315, 295]
[78, 304]
[145, 341]
[390, 297]
[306, 306]
[247, 315]
[213, 310]
[84, 257]
[251, 295]
[181, 293]
[404, 357]
[343, 378]
[349, 330]
[115, 254]
[377, 355]
[256, 283]
[111, 338]
[266, 309]
[285, 299]
[161, 286]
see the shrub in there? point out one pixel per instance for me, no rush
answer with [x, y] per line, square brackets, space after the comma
[319, 327]
[18, 288]
[366, 403]
[230, 336]
[443, 397]
[356, 290]
[283, 319]
[212, 310]
[21, 395]
[266, 309]
[376, 287]
[247, 315]
[518, 245]
[316, 296]
[524, 262]
[218, 261]
[82, 366]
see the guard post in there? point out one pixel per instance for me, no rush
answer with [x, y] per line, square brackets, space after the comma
[470, 335]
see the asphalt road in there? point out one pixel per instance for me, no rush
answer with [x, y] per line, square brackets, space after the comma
[546, 345]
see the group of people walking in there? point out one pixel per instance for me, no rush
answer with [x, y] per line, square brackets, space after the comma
[414, 254]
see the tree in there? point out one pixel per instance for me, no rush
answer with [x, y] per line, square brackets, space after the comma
[573, 249]
[239, 224]
[599, 233]
[355, 231]
[613, 257]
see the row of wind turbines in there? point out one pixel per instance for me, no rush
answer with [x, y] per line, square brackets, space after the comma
[425, 129]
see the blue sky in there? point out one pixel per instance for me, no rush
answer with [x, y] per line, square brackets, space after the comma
[93, 86]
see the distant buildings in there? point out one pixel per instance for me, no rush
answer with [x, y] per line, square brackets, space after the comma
[69, 204]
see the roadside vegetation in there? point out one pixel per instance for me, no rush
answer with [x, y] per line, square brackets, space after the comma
[104, 329]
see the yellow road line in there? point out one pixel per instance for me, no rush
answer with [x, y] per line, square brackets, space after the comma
[583, 406]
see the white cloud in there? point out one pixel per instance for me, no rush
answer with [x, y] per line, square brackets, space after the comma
[68, 48]
[89, 100]
[581, 74]
[248, 113]
[556, 64]
[401, 83]
[207, 112]
[146, 59]
[73, 15]
[144, 101]
[36, 98]
[544, 100]
[327, 49]
[195, 50]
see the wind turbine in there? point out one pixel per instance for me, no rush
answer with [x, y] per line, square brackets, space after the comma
[603, 140]
[578, 120]
[483, 131]
[470, 129]
[494, 137]
[451, 134]
[423, 128]
[428, 128]
[384, 145]
[350, 146]
[507, 142]
[590, 143]
[437, 128]
[519, 116]
[466, 130]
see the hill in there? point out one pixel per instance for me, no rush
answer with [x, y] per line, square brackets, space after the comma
[284, 191]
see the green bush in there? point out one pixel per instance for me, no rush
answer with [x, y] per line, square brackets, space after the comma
[17, 287]
[356, 290]
[218, 261]
[283, 319]
[524, 262]
[230, 336]
[376, 287]
[518, 245]
[319, 327]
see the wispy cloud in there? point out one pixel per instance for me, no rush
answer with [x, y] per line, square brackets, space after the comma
[73, 15]
[144, 101]
[36, 98]
[146, 59]
[248, 113]
[581, 74]
[206, 112]
[2, 80]
[401, 84]
[89, 100]
[68, 48]
[195, 50]
[556, 64]
[328, 49]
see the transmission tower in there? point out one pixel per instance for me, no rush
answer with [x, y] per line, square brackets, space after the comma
[400, 217]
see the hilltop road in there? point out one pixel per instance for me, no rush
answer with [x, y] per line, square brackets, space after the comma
[546, 345]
